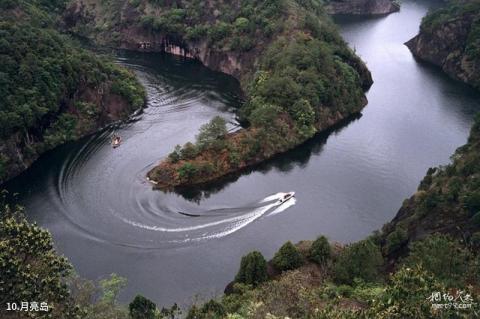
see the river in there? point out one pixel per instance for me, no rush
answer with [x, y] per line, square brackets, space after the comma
[107, 219]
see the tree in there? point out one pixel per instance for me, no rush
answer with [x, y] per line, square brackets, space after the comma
[142, 308]
[253, 269]
[212, 132]
[210, 310]
[30, 268]
[111, 287]
[396, 239]
[175, 156]
[288, 257]
[361, 260]
[320, 252]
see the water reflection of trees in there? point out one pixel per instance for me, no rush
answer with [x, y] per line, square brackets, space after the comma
[298, 157]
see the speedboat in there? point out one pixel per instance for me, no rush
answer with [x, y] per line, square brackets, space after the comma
[286, 197]
[116, 141]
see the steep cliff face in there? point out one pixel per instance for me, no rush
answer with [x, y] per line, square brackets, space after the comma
[450, 39]
[447, 202]
[362, 7]
[84, 17]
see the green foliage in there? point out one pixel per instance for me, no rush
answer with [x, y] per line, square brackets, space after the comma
[40, 68]
[288, 257]
[442, 256]
[210, 310]
[264, 115]
[212, 133]
[406, 295]
[187, 171]
[48, 82]
[253, 269]
[30, 268]
[176, 155]
[189, 151]
[320, 252]
[63, 130]
[142, 308]
[111, 287]
[396, 239]
[360, 260]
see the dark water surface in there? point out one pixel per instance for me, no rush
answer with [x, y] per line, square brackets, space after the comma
[105, 218]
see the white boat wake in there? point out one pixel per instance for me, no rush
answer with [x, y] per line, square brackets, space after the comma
[218, 223]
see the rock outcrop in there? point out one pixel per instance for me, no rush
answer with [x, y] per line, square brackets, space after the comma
[450, 39]
[362, 7]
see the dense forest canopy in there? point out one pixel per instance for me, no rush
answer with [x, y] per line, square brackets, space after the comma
[44, 77]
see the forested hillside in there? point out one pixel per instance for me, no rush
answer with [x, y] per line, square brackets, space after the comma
[52, 90]
[298, 75]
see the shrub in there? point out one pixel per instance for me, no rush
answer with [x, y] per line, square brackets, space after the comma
[253, 269]
[287, 257]
[142, 308]
[242, 24]
[187, 171]
[189, 151]
[359, 260]
[212, 132]
[210, 310]
[175, 156]
[396, 239]
[320, 251]
[442, 256]
[406, 296]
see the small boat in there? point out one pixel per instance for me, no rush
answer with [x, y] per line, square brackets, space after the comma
[116, 141]
[286, 197]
